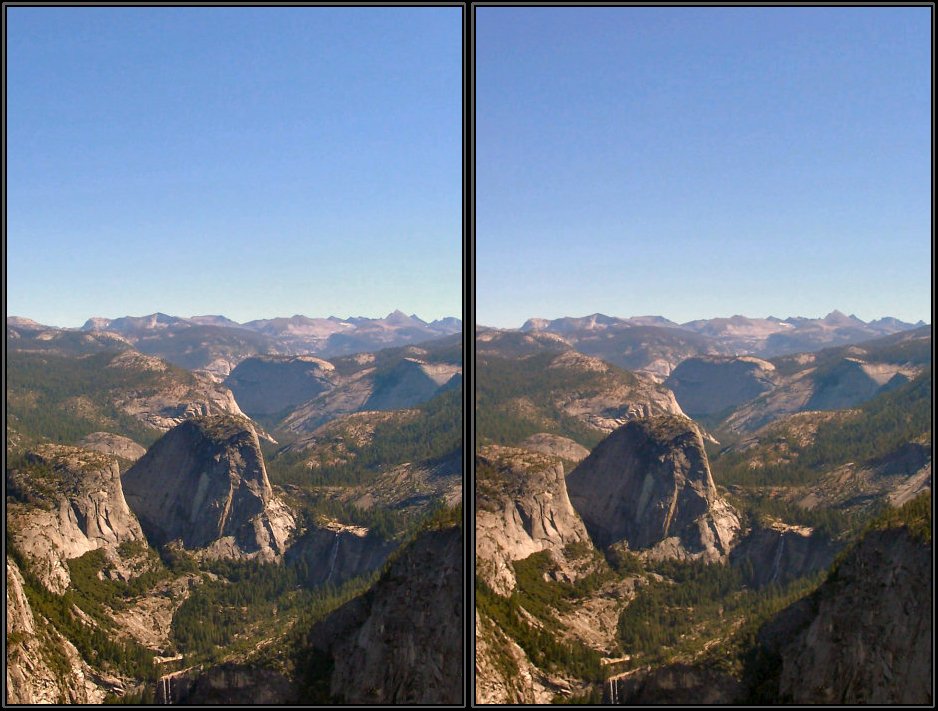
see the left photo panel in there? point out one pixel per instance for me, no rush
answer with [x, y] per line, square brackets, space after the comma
[234, 355]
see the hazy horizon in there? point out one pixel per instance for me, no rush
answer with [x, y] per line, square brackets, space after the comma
[233, 159]
[74, 325]
[698, 318]
[703, 161]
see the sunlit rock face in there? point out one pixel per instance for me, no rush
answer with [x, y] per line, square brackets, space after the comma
[204, 484]
[65, 502]
[648, 485]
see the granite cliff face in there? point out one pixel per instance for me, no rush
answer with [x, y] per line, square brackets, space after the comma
[648, 484]
[411, 382]
[42, 666]
[172, 397]
[778, 553]
[65, 502]
[333, 553]
[522, 507]
[267, 385]
[204, 483]
[401, 642]
[711, 384]
[226, 684]
[865, 637]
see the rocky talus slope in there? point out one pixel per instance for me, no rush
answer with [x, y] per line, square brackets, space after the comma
[401, 642]
[522, 507]
[204, 483]
[66, 501]
[648, 485]
[865, 637]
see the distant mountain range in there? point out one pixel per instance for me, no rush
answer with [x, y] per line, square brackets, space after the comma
[655, 344]
[216, 344]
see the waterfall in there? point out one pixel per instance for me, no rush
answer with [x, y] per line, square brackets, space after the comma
[778, 559]
[335, 553]
[167, 689]
[613, 692]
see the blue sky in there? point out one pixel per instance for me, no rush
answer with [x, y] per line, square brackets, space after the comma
[703, 162]
[253, 162]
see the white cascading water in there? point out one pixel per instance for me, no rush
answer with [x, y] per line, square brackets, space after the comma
[778, 559]
[335, 554]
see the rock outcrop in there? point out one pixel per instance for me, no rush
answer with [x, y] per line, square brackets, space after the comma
[226, 684]
[65, 502]
[267, 385]
[556, 446]
[402, 641]
[411, 382]
[504, 674]
[108, 443]
[711, 384]
[779, 553]
[176, 396]
[205, 484]
[865, 636]
[42, 667]
[333, 553]
[677, 684]
[522, 507]
[853, 381]
[648, 484]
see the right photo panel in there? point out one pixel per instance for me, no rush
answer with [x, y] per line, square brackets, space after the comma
[703, 452]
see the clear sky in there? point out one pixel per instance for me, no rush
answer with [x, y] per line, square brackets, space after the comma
[703, 162]
[251, 162]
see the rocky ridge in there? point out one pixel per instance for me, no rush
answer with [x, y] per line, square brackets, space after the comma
[67, 501]
[205, 483]
[522, 507]
[854, 644]
[658, 493]
[401, 642]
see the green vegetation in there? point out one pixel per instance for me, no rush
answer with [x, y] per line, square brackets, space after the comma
[543, 646]
[61, 398]
[540, 598]
[434, 434]
[92, 592]
[248, 601]
[915, 515]
[696, 602]
[835, 524]
[879, 427]
[503, 382]
[93, 637]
